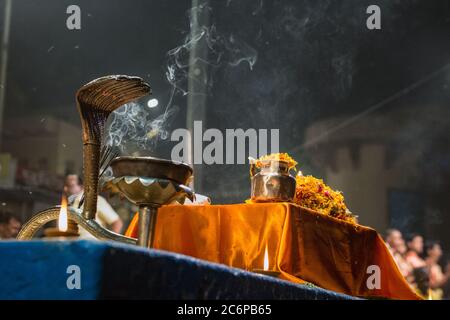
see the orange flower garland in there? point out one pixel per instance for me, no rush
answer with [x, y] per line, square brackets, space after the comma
[314, 194]
[311, 192]
[283, 157]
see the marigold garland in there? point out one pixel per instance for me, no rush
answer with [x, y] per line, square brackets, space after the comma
[314, 194]
[282, 157]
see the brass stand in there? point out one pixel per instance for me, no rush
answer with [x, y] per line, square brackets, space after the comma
[96, 100]
[149, 194]
[146, 225]
[145, 181]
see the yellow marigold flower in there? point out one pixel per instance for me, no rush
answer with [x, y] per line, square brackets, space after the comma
[314, 194]
[282, 157]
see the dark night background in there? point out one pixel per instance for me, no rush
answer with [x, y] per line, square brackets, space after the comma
[315, 60]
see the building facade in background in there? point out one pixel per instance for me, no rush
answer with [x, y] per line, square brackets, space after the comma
[381, 164]
[36, 154]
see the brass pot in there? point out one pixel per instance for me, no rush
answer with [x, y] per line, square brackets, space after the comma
[272, 182]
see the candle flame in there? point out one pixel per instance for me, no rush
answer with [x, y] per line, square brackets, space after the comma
[430, 297]
[62, 219]
[266, 259]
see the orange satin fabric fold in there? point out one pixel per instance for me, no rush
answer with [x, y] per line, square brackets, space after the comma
[303, 245]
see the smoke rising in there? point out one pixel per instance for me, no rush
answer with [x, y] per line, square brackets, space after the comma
[204, 50]
[133, 128]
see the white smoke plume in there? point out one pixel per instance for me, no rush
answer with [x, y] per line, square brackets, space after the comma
[132, 128]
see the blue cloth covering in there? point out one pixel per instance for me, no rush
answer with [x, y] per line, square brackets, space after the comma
[38, 270]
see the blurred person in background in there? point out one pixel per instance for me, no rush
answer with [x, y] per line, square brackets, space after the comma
[393, 238]
[106, 215]
[447, 285]
[405, 267]
[438, 279]
[9, 225]
[415, 250]
[397, 246]
[422, 282]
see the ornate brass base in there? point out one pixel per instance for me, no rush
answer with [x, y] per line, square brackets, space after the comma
[30, 228]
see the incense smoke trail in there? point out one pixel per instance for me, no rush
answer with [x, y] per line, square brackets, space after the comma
[132, 127]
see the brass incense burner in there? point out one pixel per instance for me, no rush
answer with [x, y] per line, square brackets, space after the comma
[147, 182]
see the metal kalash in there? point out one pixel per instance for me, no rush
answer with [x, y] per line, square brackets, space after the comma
[271, 181]
[146, 181]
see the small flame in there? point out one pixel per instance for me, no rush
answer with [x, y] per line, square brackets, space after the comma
[62, 220]
[266, 260]
[430, 296]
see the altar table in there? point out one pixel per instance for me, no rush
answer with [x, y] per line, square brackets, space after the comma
[303, 245]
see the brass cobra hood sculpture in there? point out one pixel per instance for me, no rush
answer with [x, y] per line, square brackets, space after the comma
[95, 102]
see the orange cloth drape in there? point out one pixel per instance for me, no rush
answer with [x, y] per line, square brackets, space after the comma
[303, 245]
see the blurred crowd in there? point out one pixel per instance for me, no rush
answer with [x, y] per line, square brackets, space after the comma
[106, 216]
[421, 263]
[9, 225]
[37, 175]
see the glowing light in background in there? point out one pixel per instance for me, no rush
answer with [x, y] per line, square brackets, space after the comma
[152, 103]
